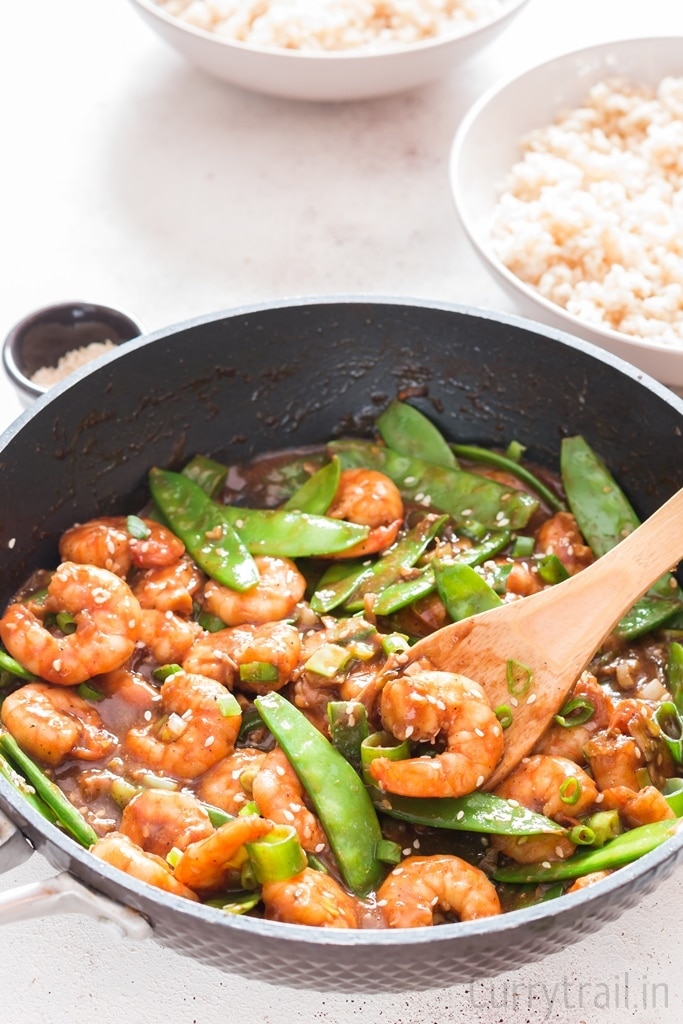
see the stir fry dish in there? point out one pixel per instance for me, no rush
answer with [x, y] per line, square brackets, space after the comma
[214, 693]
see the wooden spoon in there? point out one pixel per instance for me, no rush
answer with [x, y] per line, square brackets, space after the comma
[553, 634]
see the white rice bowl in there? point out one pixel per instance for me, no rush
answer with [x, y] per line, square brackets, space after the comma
[575, 201]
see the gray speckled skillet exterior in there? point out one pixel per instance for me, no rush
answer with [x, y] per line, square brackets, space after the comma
[234, 384]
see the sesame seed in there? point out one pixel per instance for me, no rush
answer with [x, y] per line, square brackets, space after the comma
[409, 731]
[11, 542]
[599, 798]
[531, 698]
[545, 864]
[479, 732]
[514, 702]
[559, 852]
[209, 740]
[319, 848]
[460, 815]
[480, 781]
[279, 770]
[147, 716]
[288, 815]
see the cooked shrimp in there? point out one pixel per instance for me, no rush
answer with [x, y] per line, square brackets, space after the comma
[52, 723]
[569, 742]
[425, 706]
[413, 891]
[220, 655]
[170, 588]
[280, 588]
[555, 787]
[192, 734]
[158, 820]
[560, 535]
[614, 760]
[107, 617]
[106, 543]
[228, 784]
[641, 808]
[586, 880]
[208, 865]
[313, 898]
[119, 851]
[368, 498]
[280, 796]
[166, 635]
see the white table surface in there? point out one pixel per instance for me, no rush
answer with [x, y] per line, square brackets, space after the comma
[132, 179]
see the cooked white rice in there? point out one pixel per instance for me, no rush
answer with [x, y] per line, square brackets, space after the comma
[592, 215]
[333, 24]
[46, 376]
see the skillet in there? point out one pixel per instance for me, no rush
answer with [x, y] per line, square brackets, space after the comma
[237, 383]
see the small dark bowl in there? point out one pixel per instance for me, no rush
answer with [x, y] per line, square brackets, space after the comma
[43, 337]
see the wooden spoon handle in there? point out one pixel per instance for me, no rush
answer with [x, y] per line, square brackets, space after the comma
[596, 598]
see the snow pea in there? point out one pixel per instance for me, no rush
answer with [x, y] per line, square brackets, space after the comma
[406, 430]
[315, 496]
[403, 592]
[511, 466]
[289, 534]
[207, 473]
[465, 496]
[391, 566]
[203, 528]
[339, 797]
[623, 849]
[463, 591]
[605, 516]
[477, 812]
[674, 673]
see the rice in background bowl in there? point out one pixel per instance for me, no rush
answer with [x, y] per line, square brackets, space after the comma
[328, 50]
[568, 180]
[332, 24]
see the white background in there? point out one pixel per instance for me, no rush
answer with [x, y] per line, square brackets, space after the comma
[132, 179]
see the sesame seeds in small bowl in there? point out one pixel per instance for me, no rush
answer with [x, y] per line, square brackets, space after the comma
[47, 345]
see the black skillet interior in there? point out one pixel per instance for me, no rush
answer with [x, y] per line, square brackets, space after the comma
[266, 378]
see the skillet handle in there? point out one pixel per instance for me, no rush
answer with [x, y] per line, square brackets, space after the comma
[61, 894]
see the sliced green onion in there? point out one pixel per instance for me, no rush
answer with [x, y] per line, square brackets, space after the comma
[150, 781]
[11, 665]
[673, 791]
[278, 855]
[518, 677]
[239, 903]
[552, 570]
[570, 790]
[258, 672]
[504, 715]
[582, 835]
[248, 810]
[395, 643]
[327, 660]
[211, 623]
[173, 856]
[605, 825]
[388, 852]
[89, 692]
[670, 723]
[137, 528]
[122, 792]
[217, 816]
[575, 712]
[66, 622]
[162, 672]
[674, 673]
[381, 744]
[515, 451]
[523, 547]
[228, 705]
